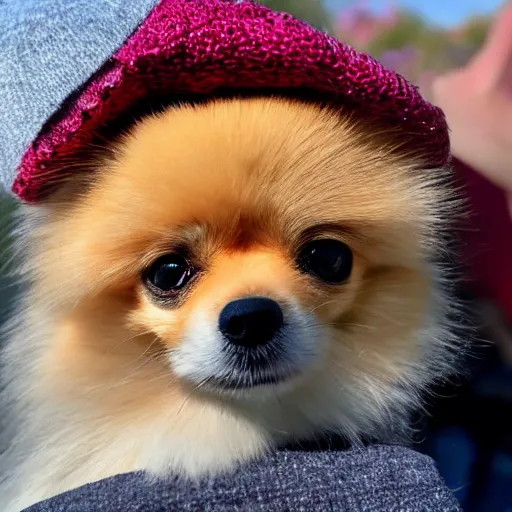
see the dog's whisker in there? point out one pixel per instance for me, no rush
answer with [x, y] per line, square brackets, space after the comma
[194, 390]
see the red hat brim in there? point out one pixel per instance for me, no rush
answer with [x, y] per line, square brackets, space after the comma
[206, 46]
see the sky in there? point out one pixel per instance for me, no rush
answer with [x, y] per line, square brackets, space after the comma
[441, 12]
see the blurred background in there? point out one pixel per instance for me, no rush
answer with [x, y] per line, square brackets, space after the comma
[468, 428]
[413, 37]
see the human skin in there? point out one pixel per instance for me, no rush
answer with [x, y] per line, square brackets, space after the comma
[477, 100]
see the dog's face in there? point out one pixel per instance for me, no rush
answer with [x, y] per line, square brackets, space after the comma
[243, 249]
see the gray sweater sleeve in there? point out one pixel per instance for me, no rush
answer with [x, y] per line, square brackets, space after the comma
[49, 48]
[374, 479]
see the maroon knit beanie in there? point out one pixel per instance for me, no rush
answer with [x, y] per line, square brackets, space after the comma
[206, 46]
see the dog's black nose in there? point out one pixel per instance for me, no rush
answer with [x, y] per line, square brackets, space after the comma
[250, 321]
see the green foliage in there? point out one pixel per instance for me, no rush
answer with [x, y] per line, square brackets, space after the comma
[474, 33]
[437, 49]
[7, 209]
[7, 289]
[411, 31]
[407, 31]
[312, 11]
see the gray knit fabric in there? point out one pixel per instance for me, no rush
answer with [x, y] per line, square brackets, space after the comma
[376, 479]
[48, 48]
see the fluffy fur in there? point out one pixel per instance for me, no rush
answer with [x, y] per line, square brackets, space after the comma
[102, 380]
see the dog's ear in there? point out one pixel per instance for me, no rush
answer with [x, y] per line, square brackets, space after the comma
[70, 177]
[66, 173]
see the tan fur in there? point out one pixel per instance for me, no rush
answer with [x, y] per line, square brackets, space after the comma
[243, 181]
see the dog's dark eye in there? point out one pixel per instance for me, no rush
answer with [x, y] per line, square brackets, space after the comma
[168, 274]
[329, 260]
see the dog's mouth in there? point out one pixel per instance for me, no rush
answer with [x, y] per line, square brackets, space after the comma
[208, 361]
[237, 369]
[264, 365]
[248, 380]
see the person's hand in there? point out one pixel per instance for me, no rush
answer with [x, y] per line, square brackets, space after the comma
[477, 101]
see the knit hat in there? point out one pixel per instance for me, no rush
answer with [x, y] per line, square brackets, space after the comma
[209, 47]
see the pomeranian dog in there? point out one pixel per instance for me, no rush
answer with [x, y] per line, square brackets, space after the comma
[235, 275]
